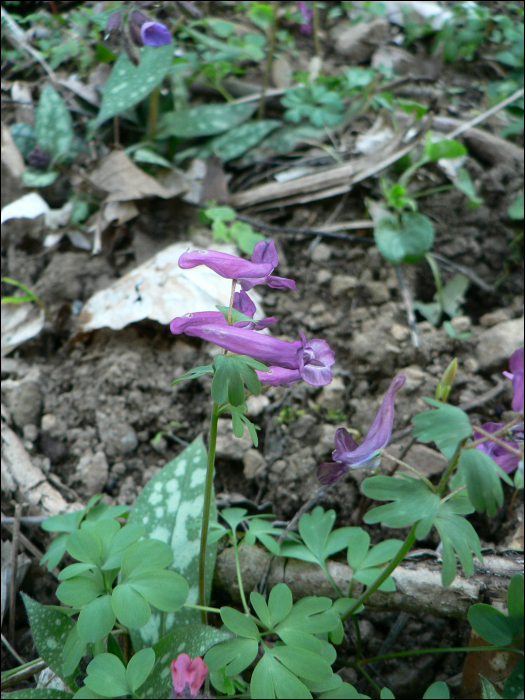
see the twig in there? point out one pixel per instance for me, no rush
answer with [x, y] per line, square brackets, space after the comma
[485, 115]
[14, 568]
[12, 650]
[31, 548]
[414, 335]
[269, 58]
[18, 36]
[26, 520]
[467, 272]
[494, 438]
[24, 673]
[311, 232]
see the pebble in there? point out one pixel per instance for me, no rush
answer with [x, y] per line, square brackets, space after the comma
[118, 437]
[229, 446]
[358, 42]
[24, 399]
[342, 283]
[415, 377]
[302, 426]
[378, 292]
[92, 471]
[461, 324]
[399, 332]
[256, 405]
[493, 318]
[321, 253]
[497, 344]
[253, 461]
[323, 276]
[471, 365]
[30, 432]
[331, 396]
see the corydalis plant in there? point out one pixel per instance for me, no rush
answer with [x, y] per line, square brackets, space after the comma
[136, 30]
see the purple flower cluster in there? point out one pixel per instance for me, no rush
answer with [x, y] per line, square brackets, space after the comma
[287, 362]
[508, 461]
[305, 8]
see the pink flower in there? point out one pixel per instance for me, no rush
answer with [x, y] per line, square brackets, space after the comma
[503, 458]
[516, 377]
[187, 675]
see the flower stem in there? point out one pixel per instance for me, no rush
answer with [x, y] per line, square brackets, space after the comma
[153, 113]
[229, 319]
[239, 577]
[450, 467]
[208, 489]
[407, 466]
[201, 607]
[411, 538]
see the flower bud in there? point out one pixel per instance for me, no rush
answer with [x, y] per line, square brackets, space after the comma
[445, 384]
[113, 22]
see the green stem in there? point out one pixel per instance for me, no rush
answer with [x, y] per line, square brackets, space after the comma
[411, 538]
[416, 652]
[208, 489]
[239, 577]
[331, 581]
[437, 279]
[358, 643]
[369, 678]
[412, 469]
[232, 295]
[153, 113]
[450, 467]
[405, 177]
[269, 59]
[201, 607]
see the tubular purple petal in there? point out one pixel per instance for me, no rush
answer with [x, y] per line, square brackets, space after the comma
[278, 376]
[264, 252]
[224, 264]
[503, 458]
[155, 34]
[348, 455]
[243, 303]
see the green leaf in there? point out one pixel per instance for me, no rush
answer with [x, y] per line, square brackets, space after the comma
[106, 676]
[514, 683]
[194, 640]
[369, 575]
[236, 315]
[74, 649]
[446, 148]
[234, 517]
[261, 609]
[446, 427]
[130, 606]
[139, 668]
[515, 596]
[50, 630]
[37, 178]
[253, 434]
[53, 124]
[515, 211]
[96, 619]
[24, 136]
[148, 155]
[129, 84]
[315, 528]
[144, 556]
[245, 237]
[481, 474]
[227, 385]
[272, 680]
[166, 590]
[261, 529]
[387, 694]
[74, 570]
[487, 689]
[220, 213]
[405, 241]
[303, 663]
[84, 546]
[39, 694]
[464, 184]
[345, 690]
[194, 373]
[437, 691]
[311, 615]
[239, 624]
[413, 501]
[280, 603]
[381, 553]
[298, 551]
[80, 590]
[457, 535]
[127, 535]
[170, 507]
[490, 624]
[357, 548]
[204, 120]
[234, 654]
[235, 142]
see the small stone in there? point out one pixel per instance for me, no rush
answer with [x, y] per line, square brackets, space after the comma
[315, 323]
[332, 395]
[358, 42]
[429, 462]
[400, 332]
[92, 471]
[321, 253]
[415, 377]
[323, 276]
[24, 399]
[30, 432]
[378, 292]
[342, 283]
[493, 318]
[118, 437]
[229, 446]
[461, 324]
[471, 365]
[149, 473]
[325, 445]
[48, 422]
[128, 492]
[497, 344]
[302, 426]
[256, 405]
[253, 461]
[317, 308]
[160, 445]
[143, 436]
[118, 469]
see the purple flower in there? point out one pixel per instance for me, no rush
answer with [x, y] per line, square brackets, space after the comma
[155, 34]
[187, 675]
[503, 458]
[348, 455]
[224, 264]
[305, 8]
[312, 359]
[241, 302]
[264, 252]
[278, 376]
[516, 377]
